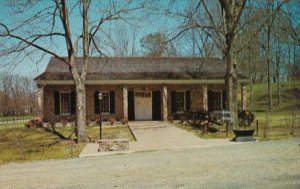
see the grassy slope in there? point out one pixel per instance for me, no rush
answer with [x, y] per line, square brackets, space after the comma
[279, 121]
[283, 114]
[290, 97]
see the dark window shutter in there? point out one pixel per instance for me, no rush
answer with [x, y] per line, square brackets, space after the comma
[210, 101]
[112, 101]
[156, 105]
[187, 100]
[224, 97]
[131, 114]
[96, 102]
[173, 102]
[73, 102]
[56, 103]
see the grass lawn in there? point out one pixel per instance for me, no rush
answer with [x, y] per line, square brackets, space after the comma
[289, 93]
[14, 118]
[215, 131]
[269, 133]
[19, 144]
[271, 125]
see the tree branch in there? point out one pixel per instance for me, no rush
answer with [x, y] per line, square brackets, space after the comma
[31, 43]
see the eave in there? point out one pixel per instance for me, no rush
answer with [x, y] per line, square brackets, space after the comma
[124, 82]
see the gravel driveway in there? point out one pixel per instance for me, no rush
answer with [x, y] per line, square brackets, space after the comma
[271, 164]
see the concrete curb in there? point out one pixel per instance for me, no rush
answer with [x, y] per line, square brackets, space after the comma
[131, 132]
[105, 154]
[157, 149]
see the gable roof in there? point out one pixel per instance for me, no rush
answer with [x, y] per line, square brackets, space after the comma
[139, 68]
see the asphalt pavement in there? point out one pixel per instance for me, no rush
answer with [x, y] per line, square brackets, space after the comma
[269, 164]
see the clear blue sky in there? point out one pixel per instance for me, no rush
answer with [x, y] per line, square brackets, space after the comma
[141, 24]
[134, 29]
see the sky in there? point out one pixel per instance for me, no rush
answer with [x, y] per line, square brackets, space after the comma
[136, 25]
[130, 30]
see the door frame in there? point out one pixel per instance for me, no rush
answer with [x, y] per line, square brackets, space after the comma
[142, 93]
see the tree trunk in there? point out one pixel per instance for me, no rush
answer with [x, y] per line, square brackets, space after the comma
[278, 54]
[269, 63]
[289, 65]
[81, 111]
[278, 92]
[231, 85]
[251, 86]
[232, 11]
[80, 81]
[231, 79]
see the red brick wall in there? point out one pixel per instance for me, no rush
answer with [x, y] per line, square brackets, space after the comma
[48, 97]
[90, 90]
[48, 105]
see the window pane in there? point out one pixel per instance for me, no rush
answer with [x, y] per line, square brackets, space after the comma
[65, 103]
[105, 102]
[217, 103]
[179, 101]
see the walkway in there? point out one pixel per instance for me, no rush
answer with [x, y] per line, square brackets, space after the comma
[155, 135]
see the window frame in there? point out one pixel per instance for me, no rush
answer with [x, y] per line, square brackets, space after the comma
[184, 100]
[143, 94]
[108, 93]
[221, 97]
[60, 103]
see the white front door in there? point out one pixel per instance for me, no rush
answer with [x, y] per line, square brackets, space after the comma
[143, 105]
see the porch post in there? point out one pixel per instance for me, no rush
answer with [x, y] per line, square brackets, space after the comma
[205, 98]
[40, 99]
[244, 97]
[165, 104]
[125, 103]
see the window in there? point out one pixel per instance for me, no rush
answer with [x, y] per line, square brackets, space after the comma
[65, 103]
[215, 100]
[180, 101]
[105, 102]
[143, 94]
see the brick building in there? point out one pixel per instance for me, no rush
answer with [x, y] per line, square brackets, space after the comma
[135, 88]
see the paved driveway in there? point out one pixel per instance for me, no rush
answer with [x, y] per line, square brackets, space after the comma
[154, 135]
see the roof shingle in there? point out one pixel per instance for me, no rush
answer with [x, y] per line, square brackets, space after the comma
[133, 68]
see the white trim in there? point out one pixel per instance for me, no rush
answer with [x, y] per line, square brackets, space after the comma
[95, 82]
[125, 103]
[165, 103]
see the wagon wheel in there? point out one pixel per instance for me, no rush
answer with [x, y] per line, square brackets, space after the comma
[245, 118]
[202, 118]
[195, 120]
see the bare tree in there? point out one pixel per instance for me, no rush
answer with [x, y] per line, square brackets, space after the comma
[121, 42]
[219, 20]
[222, 21]
[155, 45]
[52, 21]
[17, 95]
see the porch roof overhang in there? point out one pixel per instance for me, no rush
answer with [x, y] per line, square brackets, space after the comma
[139, 70]
[127, 82]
